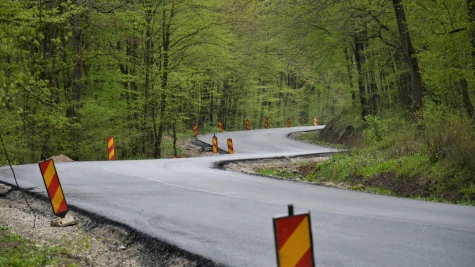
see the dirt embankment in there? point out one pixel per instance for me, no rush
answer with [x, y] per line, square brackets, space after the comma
[92, 242]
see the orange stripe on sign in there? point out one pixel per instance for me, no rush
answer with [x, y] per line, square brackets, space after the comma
[53, 187]
[296, 246]
[57, 199]
[286, 227]
[49, 173]
[110, 142]
[294, 241]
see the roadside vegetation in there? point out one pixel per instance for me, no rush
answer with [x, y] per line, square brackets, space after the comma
[16, 251]
[430, 157]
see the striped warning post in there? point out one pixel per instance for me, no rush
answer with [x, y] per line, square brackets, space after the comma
[215, 144]
[314, 121]
[110, 147]
[53, 187]
[293, 241]
[266, 123]
[220, 126]
[230, 146]
[195, 130]
[248, 125]
[288, 122]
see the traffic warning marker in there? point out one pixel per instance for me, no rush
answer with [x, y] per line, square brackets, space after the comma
[293, 240]
[288, 122]
[220, 126]
[248, 125]
[230, 146]
[195, 130]
[266, 123]
[215, 144]
[53, 187]
[110, 148]
[314, 121]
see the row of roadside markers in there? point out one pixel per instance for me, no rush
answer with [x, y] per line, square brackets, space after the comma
[248, 125]
[293, 235]
[230, 141]
[111, 150]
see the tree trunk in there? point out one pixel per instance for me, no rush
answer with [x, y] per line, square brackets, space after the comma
[359, 59]
[466, 98]
[410, 56]
[77, 83]
[148, 119]
[166, 33]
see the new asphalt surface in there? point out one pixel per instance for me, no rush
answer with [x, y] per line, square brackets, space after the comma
[227, 216]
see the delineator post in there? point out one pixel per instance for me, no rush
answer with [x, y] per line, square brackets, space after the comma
[220, 126]
[248, 125]
[215, 144]
[195, 130]
[230, 146]
[293, 240]
[110, 148]
[53, 187]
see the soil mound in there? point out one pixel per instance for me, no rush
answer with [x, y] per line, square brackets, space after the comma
[61, 158]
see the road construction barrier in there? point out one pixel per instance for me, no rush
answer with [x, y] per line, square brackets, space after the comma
[266, 123]
[314, 121]
[220, 126]
[230, 146]
[110, 148]
[288, 122]
[53, 187]
[215, 144]
[195, 130]
[248, 125]
[293, 240]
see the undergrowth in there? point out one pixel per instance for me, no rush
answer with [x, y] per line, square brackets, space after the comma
[17, 251]
[430, 157]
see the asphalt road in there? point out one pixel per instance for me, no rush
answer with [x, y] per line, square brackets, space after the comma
[227, 216]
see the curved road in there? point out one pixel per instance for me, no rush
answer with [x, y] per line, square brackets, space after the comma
[227, 216]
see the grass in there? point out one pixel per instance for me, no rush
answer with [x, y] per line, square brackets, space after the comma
[276, 172]
[18, 251]
[312, 137]
[424, 159]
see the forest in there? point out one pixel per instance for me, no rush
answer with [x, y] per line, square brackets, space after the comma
[73, 72]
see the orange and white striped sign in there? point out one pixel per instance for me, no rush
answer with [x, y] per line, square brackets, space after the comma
[248, 125]
[215, 144]
[195, 130]
[110, 148]
[314, 121]
[266, 123]
[53, 187]
[230, 146]
[293, 241]
[220, 126]
[288, 122]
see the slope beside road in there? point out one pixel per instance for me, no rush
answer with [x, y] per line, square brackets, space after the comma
[227, 216]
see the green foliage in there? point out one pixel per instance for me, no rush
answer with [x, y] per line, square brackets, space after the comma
[72, 73]
[278, 173]
[429, 158]
[17, 251]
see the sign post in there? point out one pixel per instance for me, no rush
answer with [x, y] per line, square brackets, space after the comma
[110, 147]
[293, 240]
[53, 187]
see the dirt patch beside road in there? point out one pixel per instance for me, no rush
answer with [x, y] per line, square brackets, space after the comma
[90, 243]
[294, 169]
